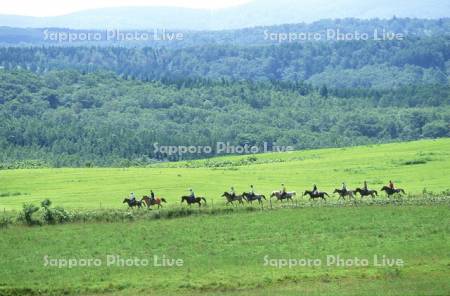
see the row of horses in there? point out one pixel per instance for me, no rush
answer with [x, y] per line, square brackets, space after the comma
[252, 197]
[288, 196]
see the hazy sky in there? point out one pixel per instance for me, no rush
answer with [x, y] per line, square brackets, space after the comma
[55, 7]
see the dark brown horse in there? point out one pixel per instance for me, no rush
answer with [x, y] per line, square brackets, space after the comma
[149, 202]
[132, 204]
[232, 198]
[192, 200]
[313, 195]
[366, 192]
[389, 191]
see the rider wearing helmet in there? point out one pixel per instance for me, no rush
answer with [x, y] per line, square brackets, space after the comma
[152, 195]
[252, 191]
[344, 188]
[315, 191]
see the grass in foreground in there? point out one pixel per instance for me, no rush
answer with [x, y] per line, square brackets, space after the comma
[225, 254]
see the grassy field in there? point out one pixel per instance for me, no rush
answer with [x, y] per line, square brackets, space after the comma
[225, 254]
[412, 166]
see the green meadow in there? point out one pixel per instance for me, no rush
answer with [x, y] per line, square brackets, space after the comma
[225, 254]
[239, 252]
[414, 166]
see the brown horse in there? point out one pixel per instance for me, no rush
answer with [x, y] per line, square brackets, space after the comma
[390, 191]
[366, 192]
[313, 195]
[191, 200]
[132, 204]
[149, 202]
[232, 198]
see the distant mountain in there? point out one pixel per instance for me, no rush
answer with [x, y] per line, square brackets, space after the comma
[255, 13]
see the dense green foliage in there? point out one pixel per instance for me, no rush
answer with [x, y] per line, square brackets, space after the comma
[67, 118]
[109, 105]
[365, 64]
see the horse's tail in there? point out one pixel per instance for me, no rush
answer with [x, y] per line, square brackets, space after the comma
[376, 192]
[263, 196]
[163, 199]
[204, 199]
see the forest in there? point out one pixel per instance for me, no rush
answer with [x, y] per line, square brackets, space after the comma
[69, 118]
[107, 104]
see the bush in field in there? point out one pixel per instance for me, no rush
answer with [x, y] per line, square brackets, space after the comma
[5, 221]
[33, 215]
[26, 215]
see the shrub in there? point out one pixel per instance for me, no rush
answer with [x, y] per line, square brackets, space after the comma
[26, 215]
[5, 221]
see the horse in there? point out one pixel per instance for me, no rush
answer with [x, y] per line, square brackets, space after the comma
[149, 202]
[366, 192]
[132, 204]
[343, 193]
[280, 196]
[191, 200]
[313, 195]
[231, 198]
[250, 197]
[389, 191]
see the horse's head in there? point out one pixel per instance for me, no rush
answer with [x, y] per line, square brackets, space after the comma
[274, 193]
[336, 190]
[225, 194]
[385, 188]
[183, 198]
[306, 192]
[126, 200]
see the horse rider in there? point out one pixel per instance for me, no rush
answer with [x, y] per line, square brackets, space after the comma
[391, 185]
[365, 186]
[152, 196]
[315, 191]
[232, 192]
[344, 188]
[283, 191]
[252, 191]
[132, 197]
[191, 194]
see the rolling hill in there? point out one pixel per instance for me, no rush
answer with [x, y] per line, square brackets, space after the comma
[255, 13]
